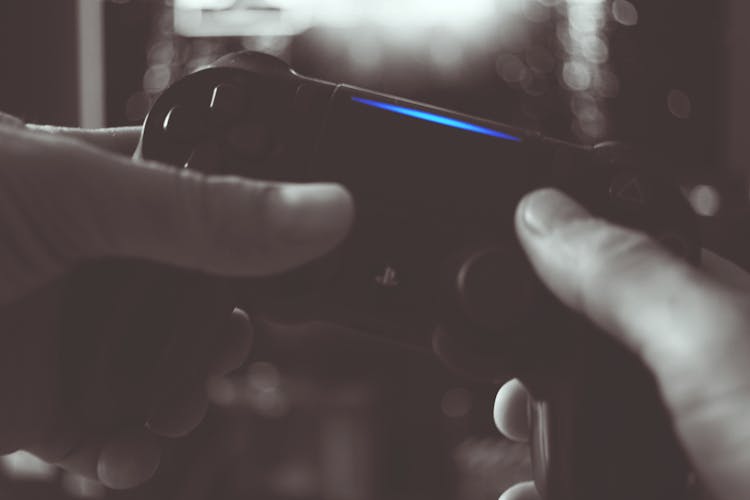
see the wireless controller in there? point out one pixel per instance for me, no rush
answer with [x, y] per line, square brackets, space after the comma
[432, 248]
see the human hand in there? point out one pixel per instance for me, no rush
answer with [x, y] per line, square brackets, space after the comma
[67, 196]
[691, 327]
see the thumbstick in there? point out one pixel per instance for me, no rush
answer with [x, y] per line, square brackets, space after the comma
[495, 287]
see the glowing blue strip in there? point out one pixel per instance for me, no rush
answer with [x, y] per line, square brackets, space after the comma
[442, 120]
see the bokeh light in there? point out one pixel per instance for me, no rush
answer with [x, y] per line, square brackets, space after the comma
[456, 403]
[259, 389]
[586, 72]
[624, 12]
[289, 17]
[705, 200]
[679, 104]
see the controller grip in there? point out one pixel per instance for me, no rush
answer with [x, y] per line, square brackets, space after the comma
[602, 431]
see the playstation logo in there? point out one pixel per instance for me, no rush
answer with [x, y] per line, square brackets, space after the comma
[388, 278]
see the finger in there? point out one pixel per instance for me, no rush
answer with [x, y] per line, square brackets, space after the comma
[122, 140]
[121, 460]
[629, 285]
[63, 202]
[129, 459]
[510, 411]
[521, 491]
[178, 411]
[233, 344]
[688, 327]
[726, 271]
[181, 398]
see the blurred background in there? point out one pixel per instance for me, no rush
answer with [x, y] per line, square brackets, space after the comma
[328, 416]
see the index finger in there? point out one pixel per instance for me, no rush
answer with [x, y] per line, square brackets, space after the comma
[65, 202]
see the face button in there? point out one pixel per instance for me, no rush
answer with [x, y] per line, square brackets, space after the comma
[205, 158]
[228, 100]
[250, 141]
[630, 189]
[183, 124]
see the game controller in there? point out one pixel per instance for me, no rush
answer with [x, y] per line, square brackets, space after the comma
[432, 248]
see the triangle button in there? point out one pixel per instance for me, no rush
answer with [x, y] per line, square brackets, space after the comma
[630, 189]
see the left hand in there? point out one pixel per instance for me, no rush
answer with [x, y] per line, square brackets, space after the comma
[69, 195]
[29, 381]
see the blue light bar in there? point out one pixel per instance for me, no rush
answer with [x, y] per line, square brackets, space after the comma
[442, 120]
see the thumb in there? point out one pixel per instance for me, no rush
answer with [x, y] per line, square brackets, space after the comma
[62, 201]
[689, 328]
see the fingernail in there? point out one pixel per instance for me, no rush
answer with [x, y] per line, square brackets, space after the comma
[544, 210]
[128, 460]
[177, 416]
[312, 211]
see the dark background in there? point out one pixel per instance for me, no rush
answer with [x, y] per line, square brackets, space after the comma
[38, 61]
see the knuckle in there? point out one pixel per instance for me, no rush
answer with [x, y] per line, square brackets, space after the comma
[726, 309]
[614, 244]
[235, 220]
[193, 205]
[255, 230]
[617, 263]
[619, 252]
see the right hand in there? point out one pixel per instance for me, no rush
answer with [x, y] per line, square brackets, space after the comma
[690, 326]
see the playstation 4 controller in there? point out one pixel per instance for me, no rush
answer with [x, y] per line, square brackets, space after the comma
[432, 249]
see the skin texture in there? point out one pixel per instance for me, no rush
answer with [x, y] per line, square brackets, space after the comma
[690, 326]
[70, 195]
